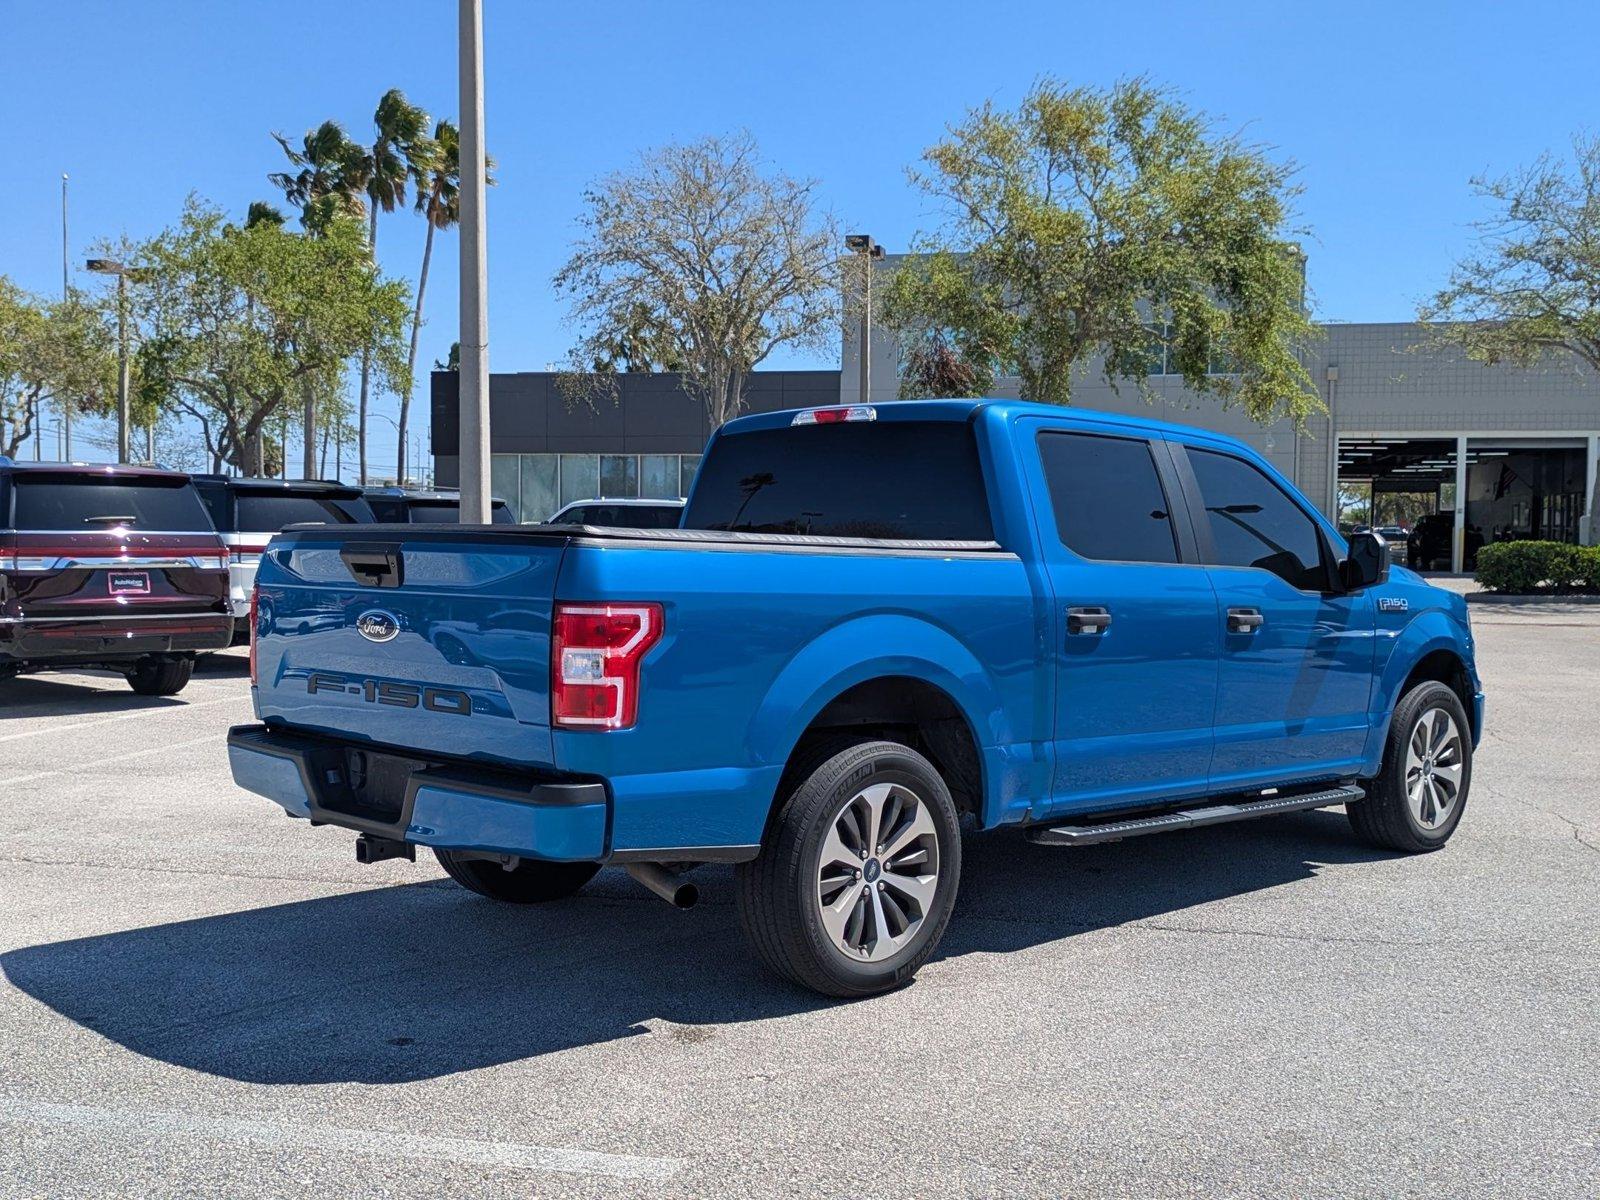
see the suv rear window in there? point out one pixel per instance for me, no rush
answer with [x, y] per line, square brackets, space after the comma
[74, 503]
[268, 512]
[917, 480]
[448, 512]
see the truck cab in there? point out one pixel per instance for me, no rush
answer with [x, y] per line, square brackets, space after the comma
[873, 623]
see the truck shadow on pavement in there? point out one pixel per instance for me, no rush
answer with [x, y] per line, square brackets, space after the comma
[49, 696]
[417, 981]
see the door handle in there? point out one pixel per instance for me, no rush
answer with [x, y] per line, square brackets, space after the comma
[1090, 619]
[1245, 620]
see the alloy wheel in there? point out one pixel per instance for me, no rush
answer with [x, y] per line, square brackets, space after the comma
[1434, 765]
[878, 871]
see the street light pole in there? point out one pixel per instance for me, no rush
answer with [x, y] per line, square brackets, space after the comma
[870, 252]
[66, 407]
[108, 266]
[474, 374]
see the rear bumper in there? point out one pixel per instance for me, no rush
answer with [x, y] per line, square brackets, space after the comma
[111, 638]
[428, 803]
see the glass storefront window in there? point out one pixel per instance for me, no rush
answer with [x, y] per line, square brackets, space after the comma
[505, 480]
[541, 492]
[658, 476]
[688, 464]
[580, 477]
[619, 476]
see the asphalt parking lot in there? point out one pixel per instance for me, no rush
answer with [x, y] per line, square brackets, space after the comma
[200, 997]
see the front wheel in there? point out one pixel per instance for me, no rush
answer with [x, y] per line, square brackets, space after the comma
[1417, 799]
[857, 875]
[531, 881]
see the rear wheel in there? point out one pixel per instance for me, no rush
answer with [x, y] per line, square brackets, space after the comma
[529, 882]
[160, 675]
[857, 876]
[1417, 799]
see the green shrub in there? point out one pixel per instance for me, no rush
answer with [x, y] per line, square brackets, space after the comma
[1520, 567]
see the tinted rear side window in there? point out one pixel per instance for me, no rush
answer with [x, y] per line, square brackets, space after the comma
[888, 479]
[72, 504]
[1107, 498]
[268, 512]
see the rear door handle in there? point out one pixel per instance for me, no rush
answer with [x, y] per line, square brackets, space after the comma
[374, 564]
[1245, 620]
[1089, 619]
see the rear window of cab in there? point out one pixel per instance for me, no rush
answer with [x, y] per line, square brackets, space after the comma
[911, 480]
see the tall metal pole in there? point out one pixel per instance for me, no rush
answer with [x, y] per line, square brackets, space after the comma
[866, 330]
[66, 287]
[124, 419]
[474, 375]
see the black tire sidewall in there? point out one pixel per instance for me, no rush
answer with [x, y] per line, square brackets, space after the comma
[887, 762]
[534, 881]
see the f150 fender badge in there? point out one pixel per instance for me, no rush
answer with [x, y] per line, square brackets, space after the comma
[378, 626]
[1393, 604]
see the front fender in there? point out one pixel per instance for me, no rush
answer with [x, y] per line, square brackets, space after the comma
[1421, 636]
[872, 647]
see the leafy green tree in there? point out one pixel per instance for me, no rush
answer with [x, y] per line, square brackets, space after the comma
[1532, 287]
[700, 258]
[1094, 224]
[61, 352]
[240, 322]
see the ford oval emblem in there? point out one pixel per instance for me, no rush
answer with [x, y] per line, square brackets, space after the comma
[378, 626]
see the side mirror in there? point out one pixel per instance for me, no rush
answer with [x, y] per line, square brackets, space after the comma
[1366, 563]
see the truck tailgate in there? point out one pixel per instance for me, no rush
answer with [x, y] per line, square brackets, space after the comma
[432, 640]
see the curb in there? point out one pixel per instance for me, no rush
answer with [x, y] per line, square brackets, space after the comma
[1533, 599]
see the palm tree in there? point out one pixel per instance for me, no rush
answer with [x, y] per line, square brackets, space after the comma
[438, 184]
[331, 177]
[397, 154]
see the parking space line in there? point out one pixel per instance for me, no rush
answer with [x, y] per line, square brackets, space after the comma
[120, 758]
[143, 712]
[333, 1139]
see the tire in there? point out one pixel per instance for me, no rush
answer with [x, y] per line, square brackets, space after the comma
[529, 882]
[1416, 801]
[870, 940]
[159, 676]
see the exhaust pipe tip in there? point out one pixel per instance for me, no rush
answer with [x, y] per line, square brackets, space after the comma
[674, 890]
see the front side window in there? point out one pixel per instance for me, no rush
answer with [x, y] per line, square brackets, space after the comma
[1254, 523]
[1107, 498]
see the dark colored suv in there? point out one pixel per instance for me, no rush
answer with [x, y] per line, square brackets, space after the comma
[410, 506]
[247, 512]
[108, 567]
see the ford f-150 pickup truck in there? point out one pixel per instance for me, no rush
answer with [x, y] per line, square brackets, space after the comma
[875, 624]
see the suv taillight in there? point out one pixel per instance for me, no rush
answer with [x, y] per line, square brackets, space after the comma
[594, 662]
[255, 599]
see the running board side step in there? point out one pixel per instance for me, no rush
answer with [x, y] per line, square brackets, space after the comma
[1190, 818]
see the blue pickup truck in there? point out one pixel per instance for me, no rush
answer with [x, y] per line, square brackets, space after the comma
[874, 625]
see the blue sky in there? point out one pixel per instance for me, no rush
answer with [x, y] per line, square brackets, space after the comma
[1387, 108]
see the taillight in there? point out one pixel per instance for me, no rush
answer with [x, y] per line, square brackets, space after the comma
[255, 599]
[594, 662]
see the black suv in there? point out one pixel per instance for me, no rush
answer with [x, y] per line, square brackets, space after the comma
[411, 506]
[108, 567]
[247, 512]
